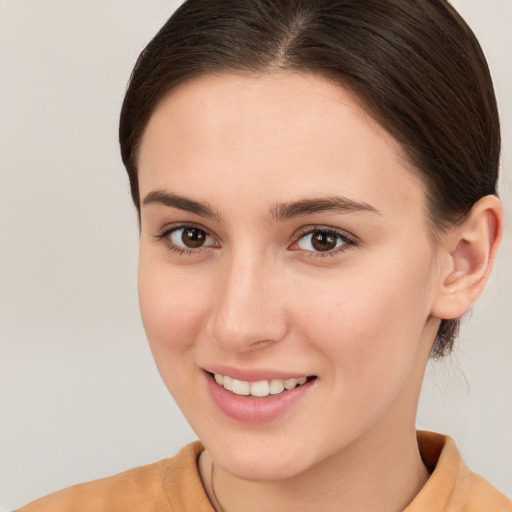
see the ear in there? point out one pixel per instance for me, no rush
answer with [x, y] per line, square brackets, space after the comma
[467, 255]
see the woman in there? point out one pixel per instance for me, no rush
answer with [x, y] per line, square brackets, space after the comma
[316, 188]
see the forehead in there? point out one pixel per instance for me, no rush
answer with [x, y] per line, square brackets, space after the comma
[280, 135]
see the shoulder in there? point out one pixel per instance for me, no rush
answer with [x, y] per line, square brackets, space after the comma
[482, 495]
[452, 486]
[142, 489]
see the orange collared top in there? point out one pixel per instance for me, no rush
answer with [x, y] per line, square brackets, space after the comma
[174, 485]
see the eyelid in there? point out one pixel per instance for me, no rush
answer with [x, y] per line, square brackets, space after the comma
[173, 226]
[349, 239]
[306, 230]
[164, 236]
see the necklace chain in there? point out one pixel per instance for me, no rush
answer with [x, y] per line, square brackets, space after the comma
[217, 502]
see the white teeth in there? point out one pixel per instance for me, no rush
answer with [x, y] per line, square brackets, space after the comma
[260, 388]
[290, 383]
[276, 386]
[241, 387]
[227, 383]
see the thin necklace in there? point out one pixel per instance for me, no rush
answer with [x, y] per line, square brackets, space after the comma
[219, 506]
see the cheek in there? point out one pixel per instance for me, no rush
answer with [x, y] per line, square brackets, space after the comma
[368, 320]
[172, 305]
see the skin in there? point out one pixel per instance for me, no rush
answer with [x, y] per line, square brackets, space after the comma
[361, 318]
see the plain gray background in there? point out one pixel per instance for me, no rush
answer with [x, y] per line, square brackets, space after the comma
[80, 396]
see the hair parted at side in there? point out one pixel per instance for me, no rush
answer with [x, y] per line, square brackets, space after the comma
[415, 65]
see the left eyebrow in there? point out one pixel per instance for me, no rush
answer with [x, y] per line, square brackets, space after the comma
[336, 204]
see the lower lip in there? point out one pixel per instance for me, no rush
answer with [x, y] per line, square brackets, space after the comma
[249, 409]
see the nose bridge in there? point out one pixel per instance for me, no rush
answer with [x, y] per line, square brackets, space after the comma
[248, 309]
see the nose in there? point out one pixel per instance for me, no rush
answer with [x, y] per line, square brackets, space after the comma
[248, 310]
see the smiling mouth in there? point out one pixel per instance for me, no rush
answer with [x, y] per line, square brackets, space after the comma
[261, 388]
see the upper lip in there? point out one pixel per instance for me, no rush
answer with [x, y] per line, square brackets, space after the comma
[254, 374]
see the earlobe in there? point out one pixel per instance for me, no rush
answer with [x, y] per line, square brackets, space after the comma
[469, 253]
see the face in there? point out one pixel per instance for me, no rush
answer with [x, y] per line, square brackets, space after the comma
[283, 239]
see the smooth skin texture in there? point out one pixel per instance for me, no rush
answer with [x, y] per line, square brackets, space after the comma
[255, 291]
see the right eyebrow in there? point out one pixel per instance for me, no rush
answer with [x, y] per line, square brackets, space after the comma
[181, 203]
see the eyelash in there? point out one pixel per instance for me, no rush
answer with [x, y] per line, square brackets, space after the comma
[347, 240]
[165, 238]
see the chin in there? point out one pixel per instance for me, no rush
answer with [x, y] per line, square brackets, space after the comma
[250, 461]
[260, 471]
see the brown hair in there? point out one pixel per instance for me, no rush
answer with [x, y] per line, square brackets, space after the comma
[415, 65]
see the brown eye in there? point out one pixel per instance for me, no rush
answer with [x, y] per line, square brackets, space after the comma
[190, 237]
[193, 237]
[322, 241]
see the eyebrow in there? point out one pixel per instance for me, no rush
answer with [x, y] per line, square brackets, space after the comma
[336, 204]
[278, 211]
[181, 203]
